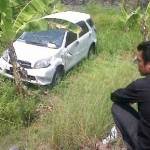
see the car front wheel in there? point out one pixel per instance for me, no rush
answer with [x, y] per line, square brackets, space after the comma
[58, 75]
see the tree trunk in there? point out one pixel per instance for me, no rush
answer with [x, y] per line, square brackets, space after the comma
[16, 70]
[144, 30]
[144, 3]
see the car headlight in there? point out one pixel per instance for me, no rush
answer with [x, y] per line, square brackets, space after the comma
[44, 63]
[5, 55]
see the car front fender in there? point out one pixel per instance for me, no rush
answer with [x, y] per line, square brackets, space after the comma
[57, 62]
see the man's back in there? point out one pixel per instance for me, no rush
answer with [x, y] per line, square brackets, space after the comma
[143, 92]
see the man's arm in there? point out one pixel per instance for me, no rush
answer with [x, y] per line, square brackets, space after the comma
[126, 95]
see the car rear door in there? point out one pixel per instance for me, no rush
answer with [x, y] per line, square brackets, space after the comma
[85, 39]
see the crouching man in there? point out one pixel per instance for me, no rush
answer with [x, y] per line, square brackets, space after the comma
[134, 125]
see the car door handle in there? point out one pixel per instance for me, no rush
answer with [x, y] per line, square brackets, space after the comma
[68, 54]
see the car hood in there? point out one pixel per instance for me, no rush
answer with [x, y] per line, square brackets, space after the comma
[33, 53]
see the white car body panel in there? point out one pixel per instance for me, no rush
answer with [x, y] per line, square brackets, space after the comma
[27, 52]
[65, 56]
[85, 41]
[71, 55]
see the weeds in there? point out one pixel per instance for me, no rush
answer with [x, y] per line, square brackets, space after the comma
[80, 105]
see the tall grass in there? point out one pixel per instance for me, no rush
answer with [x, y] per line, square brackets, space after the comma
[15, 111]
[79, 109]
[112, 34]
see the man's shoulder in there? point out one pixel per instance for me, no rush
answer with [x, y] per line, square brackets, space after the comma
[143, 81]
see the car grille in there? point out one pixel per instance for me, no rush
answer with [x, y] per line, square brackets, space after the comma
[11, 73]
[24, 64]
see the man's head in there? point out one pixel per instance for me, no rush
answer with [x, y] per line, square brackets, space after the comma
[143, 58]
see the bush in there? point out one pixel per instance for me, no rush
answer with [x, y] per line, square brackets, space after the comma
[112, 36]
[15, 111]
[81, 106]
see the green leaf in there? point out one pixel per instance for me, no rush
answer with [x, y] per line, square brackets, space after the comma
[36, 25]
[6, 24]
[14, 3]
[123, 11]
[58, 23]
[133, 18]
[4, 4]
[147, 12]
[32, 11]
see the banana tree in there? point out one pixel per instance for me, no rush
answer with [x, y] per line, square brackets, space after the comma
[11, 26]
[138, 17]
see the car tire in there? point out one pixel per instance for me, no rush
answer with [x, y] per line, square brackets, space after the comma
[91, 52]
[58, 75]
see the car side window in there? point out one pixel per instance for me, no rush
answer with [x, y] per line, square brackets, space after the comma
[71, 37]
[84, 28]
[90, 22]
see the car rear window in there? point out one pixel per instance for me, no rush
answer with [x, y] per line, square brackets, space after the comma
[90, 22]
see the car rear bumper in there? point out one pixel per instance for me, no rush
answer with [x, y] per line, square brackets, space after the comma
[41, 76]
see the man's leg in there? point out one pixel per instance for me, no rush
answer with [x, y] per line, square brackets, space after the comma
[126, 119]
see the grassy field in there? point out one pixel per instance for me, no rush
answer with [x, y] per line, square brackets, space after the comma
[78, 110]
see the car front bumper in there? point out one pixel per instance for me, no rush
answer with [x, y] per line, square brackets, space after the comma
[41, 76]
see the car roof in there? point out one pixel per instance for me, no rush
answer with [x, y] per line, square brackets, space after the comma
[70, 16]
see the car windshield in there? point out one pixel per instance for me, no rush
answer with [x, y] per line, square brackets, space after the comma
[52, 38]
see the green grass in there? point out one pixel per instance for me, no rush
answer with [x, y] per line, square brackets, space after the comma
[81, 106]
[112, 34]
[79, 109]
[14, 110]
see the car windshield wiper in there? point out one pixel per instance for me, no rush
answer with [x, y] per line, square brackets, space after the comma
[52, 45]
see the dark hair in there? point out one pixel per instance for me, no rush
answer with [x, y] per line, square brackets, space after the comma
[145, 48]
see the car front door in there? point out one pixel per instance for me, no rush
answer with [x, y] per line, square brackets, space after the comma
[71, 50]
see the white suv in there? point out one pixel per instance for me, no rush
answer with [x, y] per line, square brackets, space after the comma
[47, 55]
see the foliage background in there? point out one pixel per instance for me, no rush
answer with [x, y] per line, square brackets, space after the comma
[77, 111]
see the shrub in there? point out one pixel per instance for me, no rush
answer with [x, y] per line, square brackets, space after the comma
[15, 111]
